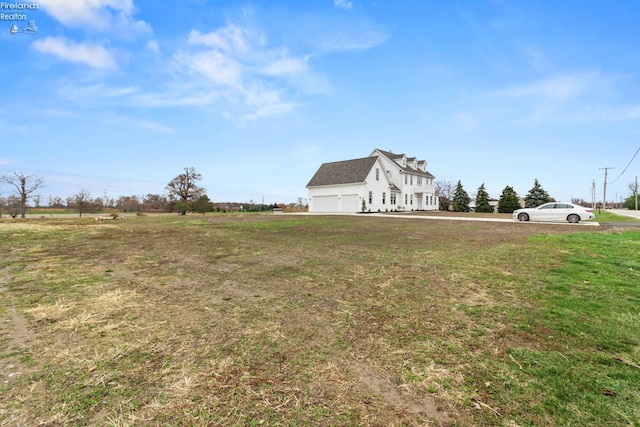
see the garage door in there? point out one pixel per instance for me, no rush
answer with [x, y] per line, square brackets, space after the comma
[325, 204]
[350, 203]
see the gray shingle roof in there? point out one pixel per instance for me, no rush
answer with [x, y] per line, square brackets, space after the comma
[344, 172]
[389, 154]
[394, 156]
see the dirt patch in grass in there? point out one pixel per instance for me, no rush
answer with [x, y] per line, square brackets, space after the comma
[264, 320]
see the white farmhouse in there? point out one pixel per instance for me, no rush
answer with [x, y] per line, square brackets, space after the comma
[384, 181]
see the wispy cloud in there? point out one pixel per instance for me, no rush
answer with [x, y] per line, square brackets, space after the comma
[4, 162]
[348, 40]
[237, 64]
[570, 98]
[343, 4]
[56, 112]
[153, 46]
[94, 56]
[96, 15]
[235, 69]
[94, 92]
[560, 88]
[155, 126]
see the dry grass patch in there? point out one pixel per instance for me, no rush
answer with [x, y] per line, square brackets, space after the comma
[268, 320]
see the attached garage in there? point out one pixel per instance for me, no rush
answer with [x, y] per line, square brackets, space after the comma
[325, 204]
[349, 203]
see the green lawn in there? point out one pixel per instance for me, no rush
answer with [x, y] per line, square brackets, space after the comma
[603, 216]
[287, 320]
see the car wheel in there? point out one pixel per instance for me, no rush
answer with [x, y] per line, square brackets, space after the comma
[523, 217]
[573, 218]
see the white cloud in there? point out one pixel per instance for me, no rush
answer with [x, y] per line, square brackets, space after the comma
[155, 126]
[287, 66]
[559, 87]
[233, 69]
[266, 103]
[230, 39]
[4, 162]
[362, 38]
[569, 98]
[97, 15]
[343, 4]
[94, 93]
[153, 46]
[216, 67]
[237, 65]
[56, 112]
[94, 56]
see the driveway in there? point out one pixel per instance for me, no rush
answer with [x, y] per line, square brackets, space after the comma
[623, 212]
[452, 218]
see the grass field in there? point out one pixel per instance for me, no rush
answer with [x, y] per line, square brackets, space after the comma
[249, 320]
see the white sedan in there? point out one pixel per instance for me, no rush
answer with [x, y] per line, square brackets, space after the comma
[554, 212]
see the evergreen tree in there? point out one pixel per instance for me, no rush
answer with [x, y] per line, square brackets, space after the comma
[482, 200]
[461, 199]
[509, 201]
[537, 196]
[630, 203]
[203, 204]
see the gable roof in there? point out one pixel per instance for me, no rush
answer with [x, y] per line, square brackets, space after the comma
[394, 156]
[344, 172]
[389, 154]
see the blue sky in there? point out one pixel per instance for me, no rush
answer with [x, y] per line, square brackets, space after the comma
[121, 95]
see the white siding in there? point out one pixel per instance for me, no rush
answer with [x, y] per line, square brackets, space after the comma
[319, 198]
[350, 203]
[325, 204]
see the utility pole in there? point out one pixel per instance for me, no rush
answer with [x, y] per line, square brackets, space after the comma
[636, 192]
[593, 194]
[604, 196]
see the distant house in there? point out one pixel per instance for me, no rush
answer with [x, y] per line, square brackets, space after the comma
[385, 181]
[492, 202]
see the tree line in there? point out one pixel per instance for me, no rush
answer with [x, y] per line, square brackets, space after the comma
[183, 195]
[454, 197]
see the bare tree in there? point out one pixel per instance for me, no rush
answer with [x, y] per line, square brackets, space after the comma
[128, 204]
[12, 206]
[633, 186]
[183, 187]
[24, 185]
[81, 201]
[444, 190]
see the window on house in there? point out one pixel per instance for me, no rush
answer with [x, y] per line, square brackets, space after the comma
[370, 197]
[377, 174]
[384, 197]
[405, 179]
[411, 179]
[411, 199]
[393, 198]
[419, 180]
[405, 199]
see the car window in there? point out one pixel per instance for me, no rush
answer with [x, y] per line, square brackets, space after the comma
[549, 206]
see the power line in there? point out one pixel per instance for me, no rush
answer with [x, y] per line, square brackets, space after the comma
[625, 168]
